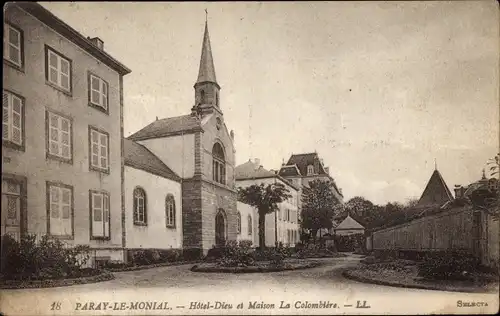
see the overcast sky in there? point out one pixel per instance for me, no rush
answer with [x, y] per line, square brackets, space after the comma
[379, 90]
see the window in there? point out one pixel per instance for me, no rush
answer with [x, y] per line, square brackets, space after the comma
[12, 119]
[279, 214]
[310, 170]
[11, 202]
[60, 210]
[216, 98]
[99, 150]
[170, 210]
[13, 45]
[58, 70]
[249, 225]
[218, 164]
[100, 215]
[202, 97]
[238, 223]
[140, 207]
[59, 144]
[98, 92]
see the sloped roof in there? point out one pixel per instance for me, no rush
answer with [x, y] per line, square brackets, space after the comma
[206, 72]
[249, 170]
[436, 192]
[139, 157]
[303, 160]
[48, 18]
[289, 171]
[167, 127]
[349, 223]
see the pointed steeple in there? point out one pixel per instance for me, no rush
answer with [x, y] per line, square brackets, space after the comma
[206, 72]
[436, 192]
[206, 88]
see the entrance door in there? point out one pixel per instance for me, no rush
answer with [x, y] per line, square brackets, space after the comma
[220, 229]
[11, 209]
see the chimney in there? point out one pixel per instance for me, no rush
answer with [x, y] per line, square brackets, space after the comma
[97, 42]
[316, 166]
[232, 134]
[327, 170]
[458, 191]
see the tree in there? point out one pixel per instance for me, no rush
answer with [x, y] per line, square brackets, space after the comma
[493, 202]
[360, 206]
[319, 206]
[266, 199]
[494, 164]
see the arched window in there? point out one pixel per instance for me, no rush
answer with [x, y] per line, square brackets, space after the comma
[220, 228]
[238, 223]
[140, 207]
[202, 97]
[216, 98]
[170, 210]
[218, 164]
[250, 225]
[310, 170]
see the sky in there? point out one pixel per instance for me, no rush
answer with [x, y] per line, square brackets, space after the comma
[382, 91]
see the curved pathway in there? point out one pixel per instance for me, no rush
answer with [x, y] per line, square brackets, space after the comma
[179, 286]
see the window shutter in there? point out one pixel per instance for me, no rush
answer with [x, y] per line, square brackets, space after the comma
[95, 91]
[97, 214]
[66, 203]
[94, 148]
[104, 91]
[16, 120]
[5, 39]
[5, 116]
[106, 215]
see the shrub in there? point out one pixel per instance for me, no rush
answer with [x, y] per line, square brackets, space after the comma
[47, 259]
[447, 266]
[171, 255]
[237, 254]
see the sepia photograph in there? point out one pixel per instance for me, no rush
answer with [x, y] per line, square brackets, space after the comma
[250, 158]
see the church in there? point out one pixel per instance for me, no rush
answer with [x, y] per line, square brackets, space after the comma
[179, 174]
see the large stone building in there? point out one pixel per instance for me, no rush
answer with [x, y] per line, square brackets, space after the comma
[304, 168]
[282, 226]
[199, 149]
[62, 133]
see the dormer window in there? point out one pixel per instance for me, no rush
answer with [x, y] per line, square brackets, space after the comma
[310, 170]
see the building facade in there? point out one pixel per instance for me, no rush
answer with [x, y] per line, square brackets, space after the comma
[304, 168]
[62, 132]
[153, 201]
[199, 148]
[282, 226]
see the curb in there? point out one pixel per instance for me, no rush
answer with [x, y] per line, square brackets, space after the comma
[39, 284]
[236, 270]
[346, 274]
[151, 266]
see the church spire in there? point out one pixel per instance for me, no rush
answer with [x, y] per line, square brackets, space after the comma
[206, 88]
[206, 72]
